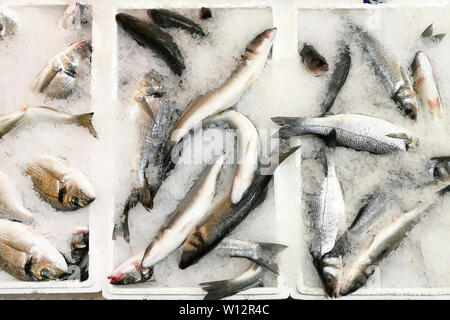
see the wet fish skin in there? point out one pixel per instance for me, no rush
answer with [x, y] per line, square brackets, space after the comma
[313, 60]
[262, 253]
[61, 185]
[8, 24]
[152, 37]
[355, 131]
[58, 77]
[252, 277]
[338, 77]
[131, 271]
[224, 217]
[169, 19]
[425, 84]
[189, 212]
[27, 255]
[11, 205]
[74, 17]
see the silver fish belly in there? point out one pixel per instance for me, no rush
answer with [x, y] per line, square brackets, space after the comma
[11, 205]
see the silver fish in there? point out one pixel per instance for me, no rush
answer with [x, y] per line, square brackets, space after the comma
[262, 253]
[190, 211]
[355, 131]
[8, 24]
[252, 277]
[11, 205]
[131, 271]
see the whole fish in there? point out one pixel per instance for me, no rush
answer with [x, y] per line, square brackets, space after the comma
[425, 83]
[58, 78]
[27, 255]
[390, 74]
[338, 77]
[440, 167]
[152, 37]
[79, 251]
[8, 24]
[62, 186]
[313, 60]
[252, 277]
[35, 115]
[355, 131]
[428, 35]
[262, 253]
[224, 217]
[248, 150]
[131, 271]
[205, 13]
[386, 240]
[149, 117]
[189, 212]
[226, 95]
[11, 205]
[74, 16]
[330, 266]
[169, 19]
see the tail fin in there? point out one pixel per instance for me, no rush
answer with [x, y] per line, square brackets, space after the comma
[267, 254]
[225, 288]
[428, 32]
[444, 190]
[85, 120]
[291, 126]
[438, 37]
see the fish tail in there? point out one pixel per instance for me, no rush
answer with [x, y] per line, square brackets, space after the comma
[267, 255]
[444, 190]
[291, 126]
[428, 32]
[225, 288]
[85, 120]
[121, 228]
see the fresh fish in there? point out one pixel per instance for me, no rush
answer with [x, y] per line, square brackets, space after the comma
[428, 35]
[331, 265]
[425, 83]
[58, 78]
[11, 205]
[248, 150]
[440, 167]
[355, 131]
[74, 16]
[8, 24]
[251, 278]
[190, 211]
[386, 240]
[35, 115]
[390, 74]
[131, 271]
[224, 217]
[227, 94]
[313, 60]
[338, 77]
[79, 251]
[152, 37]
[169, 19]
[149, 117]
[62, 186]
[205, 13]
[27, 255]
[262, 253]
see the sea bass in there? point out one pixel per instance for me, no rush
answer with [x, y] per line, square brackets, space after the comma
[131, 271]
[189, 212]
[11, 205]
[169, 19]
[36, 115]
[58, 78]
[224, 217]
[425, 83]
[150, 119]
[27, 255]
[153, 37]
[355, 131]
[62, 186]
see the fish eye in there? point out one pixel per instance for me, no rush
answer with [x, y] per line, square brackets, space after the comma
[75, 200]
[45, 273]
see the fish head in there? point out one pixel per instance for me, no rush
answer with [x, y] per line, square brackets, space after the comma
[330, 270]
[48, 267]
[406, 102]
[261, 44]
[440, 168]
[83, 49]
[77, 191]
[356, 278]
[130, 272]
[149, 87]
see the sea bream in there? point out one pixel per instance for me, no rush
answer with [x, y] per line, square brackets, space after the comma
[425, 84]
[27, 255]
[227, 94]
[61, 185]
[169, 19]
[224, 217]
[149, 120]
[355, 131]
[11, 205]
[154, 38]
[189, 212]
[131, 271]
[58, 77]
[390, 73]
[8, 24]
[34, 115]
[248, 150]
